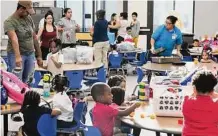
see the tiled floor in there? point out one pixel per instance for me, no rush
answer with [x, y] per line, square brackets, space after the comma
[131, 82]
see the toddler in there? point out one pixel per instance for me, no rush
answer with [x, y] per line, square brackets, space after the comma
[200, 110]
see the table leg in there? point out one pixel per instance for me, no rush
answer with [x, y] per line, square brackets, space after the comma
[5, 118]
[149, 76]
[157, 133]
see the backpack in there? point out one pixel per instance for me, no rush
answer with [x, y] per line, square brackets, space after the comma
[15, 88]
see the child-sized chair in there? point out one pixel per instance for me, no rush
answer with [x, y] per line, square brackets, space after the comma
[101, 77]
[115, 62]
[47, 125]
[75, 78]
[187, 58]
[131, 56]
[91, 131]
[79, 116]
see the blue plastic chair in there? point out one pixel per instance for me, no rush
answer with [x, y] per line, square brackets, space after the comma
[79, 113]
[130, 56]
[91, 131]
[111, 37]
[142, 59]
[47, 125]
[115, 62]
[101, 77]
[187, 58]
[37, 79]
[75, 79]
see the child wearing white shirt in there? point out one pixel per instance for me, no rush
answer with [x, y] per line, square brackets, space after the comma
[62, 101]
[113, 50]
[128, 37]
[55, 58]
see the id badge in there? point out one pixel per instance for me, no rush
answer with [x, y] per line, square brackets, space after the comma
[174, 36]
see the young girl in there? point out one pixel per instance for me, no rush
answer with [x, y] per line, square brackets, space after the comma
[55, 58]
[62, 101]
[200, 110]
[32, 113]
[120, 81]
[205, 57]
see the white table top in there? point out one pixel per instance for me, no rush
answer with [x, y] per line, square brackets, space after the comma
[74, 67]
[169, 67]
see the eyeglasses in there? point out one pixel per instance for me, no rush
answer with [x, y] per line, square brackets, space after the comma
[168, 23]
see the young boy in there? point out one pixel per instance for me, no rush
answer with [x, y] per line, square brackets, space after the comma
[128, 37]
[55, 59]
[200, 110]
[101, 94]
[135, 24]
[196, 43]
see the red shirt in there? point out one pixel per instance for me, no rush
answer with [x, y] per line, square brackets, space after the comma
[200, 116]
[46, 36]
[104, 118]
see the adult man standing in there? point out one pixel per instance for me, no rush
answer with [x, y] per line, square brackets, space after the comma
[23, 45]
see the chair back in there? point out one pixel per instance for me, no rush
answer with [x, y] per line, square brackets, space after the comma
[75, 78]
[140, 74]
[130, 56]
[47, 125]
[37, 78]
[143, 57]
[101, 75]
[187, 58]
[115, 60]
[79, 113]
[91, 131]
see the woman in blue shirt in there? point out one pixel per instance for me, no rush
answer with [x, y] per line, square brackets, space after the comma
[100, 38]
[167, 37]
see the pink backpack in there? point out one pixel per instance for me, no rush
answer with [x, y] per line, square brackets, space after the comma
[16, 89]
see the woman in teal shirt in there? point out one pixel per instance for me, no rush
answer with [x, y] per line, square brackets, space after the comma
[167, 37]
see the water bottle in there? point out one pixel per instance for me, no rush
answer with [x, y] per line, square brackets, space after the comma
[46, 85]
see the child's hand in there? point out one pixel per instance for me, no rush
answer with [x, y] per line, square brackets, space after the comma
[52, 58]
[137, 104]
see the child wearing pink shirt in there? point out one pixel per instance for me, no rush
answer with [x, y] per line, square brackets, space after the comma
[200, 110]
[104, 114]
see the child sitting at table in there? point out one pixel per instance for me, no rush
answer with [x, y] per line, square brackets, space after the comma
[62, 101]
[205, 58]
[113, 50]
[119, 102]
[128, 37]
[32, 113]
[101, 94]
[200, 110]
[196, 43]
[55, 58]
[120, 81]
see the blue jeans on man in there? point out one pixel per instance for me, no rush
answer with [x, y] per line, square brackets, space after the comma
[28, 64]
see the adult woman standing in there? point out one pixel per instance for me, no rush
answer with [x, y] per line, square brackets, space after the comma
[46, 33]
[121, 26]
[68, 27]
[167, 37]
[100, 38]
[113, 23]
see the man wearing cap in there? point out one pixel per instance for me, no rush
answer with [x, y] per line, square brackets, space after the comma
[23, 45]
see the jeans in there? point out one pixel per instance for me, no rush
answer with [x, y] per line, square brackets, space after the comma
[28, 64]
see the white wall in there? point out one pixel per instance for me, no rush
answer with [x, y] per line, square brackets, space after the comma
[206, 18]
[113, 6]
